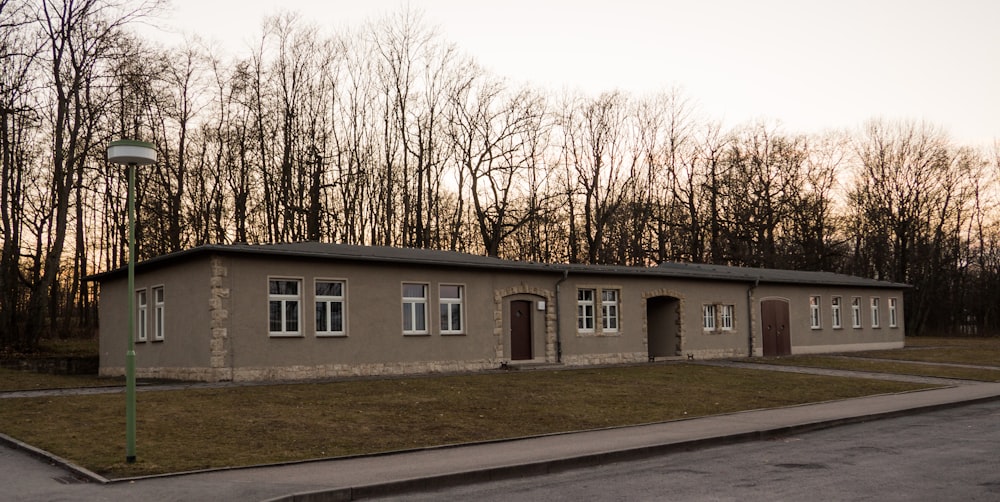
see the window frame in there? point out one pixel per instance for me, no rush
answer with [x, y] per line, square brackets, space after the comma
[585, 314]
[141, 327]
[727, 317]
[451, 303]
[285, 299]
[413, 302]
[836, 312]
[893, 314]
[329, 300]
[708, 312]
[815, 312]
[159, 306]
[874, 305]
[856, 321]
[610, 310]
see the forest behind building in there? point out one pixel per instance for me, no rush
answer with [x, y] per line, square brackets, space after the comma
[387, 134]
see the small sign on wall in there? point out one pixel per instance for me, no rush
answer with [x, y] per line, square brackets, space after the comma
[541, 304]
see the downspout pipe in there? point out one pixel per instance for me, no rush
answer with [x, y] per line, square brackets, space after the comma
[559, 317]
[750, 323]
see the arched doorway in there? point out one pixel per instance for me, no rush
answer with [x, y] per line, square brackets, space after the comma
[663, 326]
[525, 325]
[774, 327]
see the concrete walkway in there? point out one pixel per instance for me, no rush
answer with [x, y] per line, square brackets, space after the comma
[353, 478]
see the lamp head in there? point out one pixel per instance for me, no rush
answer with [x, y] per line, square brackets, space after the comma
[131, 152]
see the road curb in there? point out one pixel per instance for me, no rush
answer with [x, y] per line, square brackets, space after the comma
[77, 471]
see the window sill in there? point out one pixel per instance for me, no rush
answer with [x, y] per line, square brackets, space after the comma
[597, 334]
[285, 335]
[331, 335]
[453, 334]
[417, 334]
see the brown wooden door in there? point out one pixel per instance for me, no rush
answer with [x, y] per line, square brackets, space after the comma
[520, 330]
[774, 329]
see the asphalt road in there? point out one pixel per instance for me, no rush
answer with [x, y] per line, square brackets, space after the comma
[946, 455]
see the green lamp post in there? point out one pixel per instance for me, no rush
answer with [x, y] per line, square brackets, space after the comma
[132, 154]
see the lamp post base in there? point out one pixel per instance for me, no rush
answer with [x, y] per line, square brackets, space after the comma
[130, 459]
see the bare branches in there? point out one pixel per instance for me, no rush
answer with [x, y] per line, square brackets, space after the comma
[389, 135]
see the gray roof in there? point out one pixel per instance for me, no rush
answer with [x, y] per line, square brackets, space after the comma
[437, 258]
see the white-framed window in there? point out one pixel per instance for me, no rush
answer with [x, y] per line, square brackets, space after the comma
[708, 317]
[451, 297]
[158, 312]
[414, 309]
[875, 312]
[585, 309]
[142, 315]
[814, 313]
[330, 296]
[856, 311]
[893, 320]
[609, 310]
[284, 300]
[835, 312]
[726, 317]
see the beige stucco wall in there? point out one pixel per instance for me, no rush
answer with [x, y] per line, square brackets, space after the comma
[632, 338]
[373, 315]
[806, 340]
[186, 320]
[702, 344]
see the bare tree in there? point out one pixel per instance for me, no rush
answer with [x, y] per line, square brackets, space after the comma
[812, 242]
[354, 134]
[763, 178]
[676, 179]
[398, 41]
[19, 52]
[78, 36]
[494, 135]
[595, 141]
[903, 193]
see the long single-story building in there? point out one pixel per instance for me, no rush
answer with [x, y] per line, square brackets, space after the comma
[313, 310]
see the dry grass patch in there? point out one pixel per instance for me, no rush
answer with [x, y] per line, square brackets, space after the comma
[72, 347]
[196, 429]
[940, 351]
[981, 351]
[849, 363]
[28, 380]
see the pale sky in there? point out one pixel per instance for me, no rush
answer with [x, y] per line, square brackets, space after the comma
[809, 65]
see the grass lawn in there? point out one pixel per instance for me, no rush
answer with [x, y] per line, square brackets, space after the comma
[196, 429]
